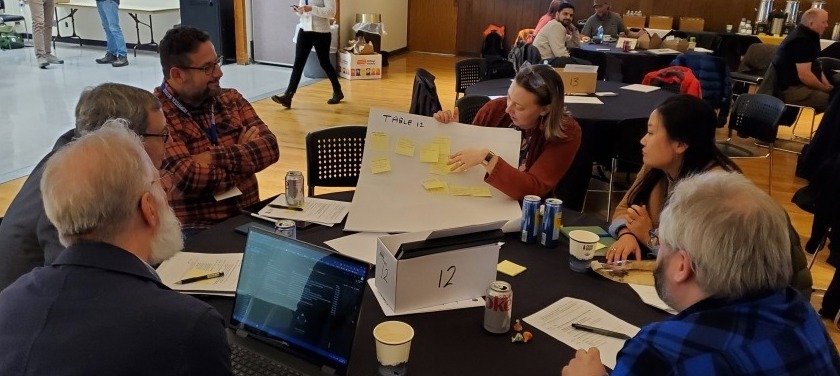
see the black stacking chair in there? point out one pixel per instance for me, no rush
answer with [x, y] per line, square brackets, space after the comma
[753, 67]
[468, 107]
[467, 73]
[334, 156]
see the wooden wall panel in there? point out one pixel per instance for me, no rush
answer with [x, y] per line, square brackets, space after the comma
[475, 15]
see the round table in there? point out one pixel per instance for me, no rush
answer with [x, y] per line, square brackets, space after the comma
[605, 128]
[616, 65]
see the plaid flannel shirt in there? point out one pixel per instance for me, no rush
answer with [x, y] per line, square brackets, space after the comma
[774, 333]
[233, 165]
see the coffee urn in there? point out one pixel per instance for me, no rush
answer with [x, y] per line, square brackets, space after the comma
[762, 25]
[792, 10]
[818, 4]
[777, 23]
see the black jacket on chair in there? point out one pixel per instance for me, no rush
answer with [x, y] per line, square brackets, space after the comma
[424, 98]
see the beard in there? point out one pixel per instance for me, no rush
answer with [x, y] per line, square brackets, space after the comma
[566, 23]
[659, 284]
[168, 240]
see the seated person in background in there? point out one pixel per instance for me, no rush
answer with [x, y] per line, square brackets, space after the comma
[553, 8]
[611, 21]
[218, 141]
[27, 238]
[559, 35]
[723, 263]
[798, 75]
[100, 309]
[550, 136]
[680, 142]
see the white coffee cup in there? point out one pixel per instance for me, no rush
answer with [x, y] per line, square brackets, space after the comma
[728, 28]
[582, 245]
[393, 343]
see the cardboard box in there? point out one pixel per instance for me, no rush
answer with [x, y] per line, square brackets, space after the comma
[578, 82]
[649, 42]
[633, 21]
[691, 23]
[678, 44]
[359, 67]
[438, 278]
[661, 22]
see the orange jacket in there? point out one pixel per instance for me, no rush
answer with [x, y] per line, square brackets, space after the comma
[689, 84]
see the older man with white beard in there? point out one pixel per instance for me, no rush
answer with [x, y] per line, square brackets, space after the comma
[724, 264]
[100, 308]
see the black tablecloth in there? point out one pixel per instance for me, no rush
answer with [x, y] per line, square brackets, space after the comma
[616, 65]
[600, 129]
[730, 46]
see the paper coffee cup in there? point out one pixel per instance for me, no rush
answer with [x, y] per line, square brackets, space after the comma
[393, 342]
[582, 244]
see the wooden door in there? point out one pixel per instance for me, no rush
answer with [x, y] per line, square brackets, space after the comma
[432, 25]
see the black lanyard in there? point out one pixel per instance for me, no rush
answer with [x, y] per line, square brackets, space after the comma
[212, 133]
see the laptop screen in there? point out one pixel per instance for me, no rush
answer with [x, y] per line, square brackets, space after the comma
[300, 297]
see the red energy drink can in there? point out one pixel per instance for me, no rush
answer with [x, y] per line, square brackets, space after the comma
[498, 307]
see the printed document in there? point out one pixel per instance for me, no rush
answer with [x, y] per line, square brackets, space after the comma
[317, 210]
[188, 264]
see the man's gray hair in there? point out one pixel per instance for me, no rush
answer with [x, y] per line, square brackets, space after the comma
[112, 100]
[810, 16]
[92, 186]
[735, 234]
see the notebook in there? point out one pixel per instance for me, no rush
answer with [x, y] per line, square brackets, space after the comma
[297, 303]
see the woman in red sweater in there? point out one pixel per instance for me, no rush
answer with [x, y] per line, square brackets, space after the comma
[550, 136]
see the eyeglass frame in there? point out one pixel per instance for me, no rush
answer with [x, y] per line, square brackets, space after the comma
[209, 68]
[164, 135]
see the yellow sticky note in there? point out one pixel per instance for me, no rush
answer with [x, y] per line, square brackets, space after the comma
[379, 165]
[433, 183]
[439, 168]
[480, 191]
[429, 154]
[458, 190]
[405, 146]
[510, 268]
[444, 144]
[379, 141]
[600, 247]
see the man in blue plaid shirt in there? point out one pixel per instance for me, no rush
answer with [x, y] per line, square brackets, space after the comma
[724, 264]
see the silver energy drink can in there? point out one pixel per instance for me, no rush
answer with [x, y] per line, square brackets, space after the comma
[294, 189]
[552, 221]
[530, 225]
[498, 307]
[286, 227]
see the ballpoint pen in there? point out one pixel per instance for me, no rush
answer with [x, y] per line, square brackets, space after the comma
[277, 206]
[200, 278]
[603, 332]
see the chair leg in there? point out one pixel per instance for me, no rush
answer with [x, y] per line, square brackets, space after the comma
[613, 170]
[770, 172]
[816, 252]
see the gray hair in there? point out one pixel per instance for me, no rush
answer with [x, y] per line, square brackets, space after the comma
[112, 100]
[96, 200]
[810, 16]
[735, 234]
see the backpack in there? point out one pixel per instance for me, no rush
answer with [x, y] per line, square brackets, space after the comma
[497, 67]
[9, 38]
[523, 52]
[493, 45]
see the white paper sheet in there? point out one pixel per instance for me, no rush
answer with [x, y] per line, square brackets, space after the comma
[703, 50]
[640, 88]
[360, 246]
[230, 193]
[316, 210]
[582, 100]
[556, 320]
[664, 51]
[386, 309]
[651, 298]
[188, 264]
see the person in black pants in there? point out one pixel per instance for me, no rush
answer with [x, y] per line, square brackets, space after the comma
[314, 31]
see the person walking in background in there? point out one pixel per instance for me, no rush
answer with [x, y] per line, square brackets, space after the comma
[43, 17]
[314, 31]
[117, 54]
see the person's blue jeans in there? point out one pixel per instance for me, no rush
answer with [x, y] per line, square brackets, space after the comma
[109, 12]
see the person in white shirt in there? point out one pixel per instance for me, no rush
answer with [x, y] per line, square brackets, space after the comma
[558, 35]
[314, 31]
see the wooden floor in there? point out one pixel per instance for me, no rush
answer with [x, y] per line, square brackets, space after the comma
[310, 112]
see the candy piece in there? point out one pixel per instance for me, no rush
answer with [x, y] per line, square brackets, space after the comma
[527, 336]
[517, 338]
[517, 326]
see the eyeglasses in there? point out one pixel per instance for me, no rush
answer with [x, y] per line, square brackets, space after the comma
[534, 78]
[210, 68]
[165, 181]
[164, 135]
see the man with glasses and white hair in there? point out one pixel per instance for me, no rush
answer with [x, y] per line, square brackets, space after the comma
[219, 142]
[724, 264]
[100, 308]
[27, 238]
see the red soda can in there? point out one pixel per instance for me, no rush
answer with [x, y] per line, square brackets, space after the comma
[626, 46]
[498, 307]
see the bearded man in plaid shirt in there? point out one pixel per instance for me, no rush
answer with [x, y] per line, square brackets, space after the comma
[218, 141]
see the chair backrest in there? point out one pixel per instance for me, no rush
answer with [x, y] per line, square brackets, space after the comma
[829, 66]
[468, 106]
[757, 58]
[757, 116]
[424, 97]
[334, 156]
[768, 84]
[467, 73]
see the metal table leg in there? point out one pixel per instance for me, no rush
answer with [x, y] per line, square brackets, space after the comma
[72, 17]
[137, 24]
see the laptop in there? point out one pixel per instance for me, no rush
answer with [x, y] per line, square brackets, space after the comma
[297, 304]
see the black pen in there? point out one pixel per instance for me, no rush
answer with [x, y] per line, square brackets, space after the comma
[276, 206]
[200, 278]
[603, 332]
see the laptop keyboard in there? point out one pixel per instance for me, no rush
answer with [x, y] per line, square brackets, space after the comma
[248, 363]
